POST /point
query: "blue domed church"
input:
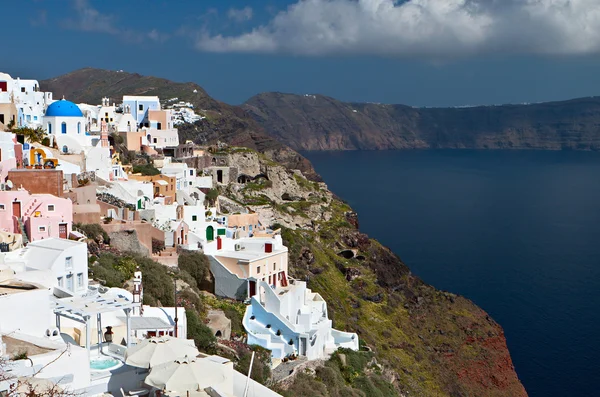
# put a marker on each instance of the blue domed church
(65, 124)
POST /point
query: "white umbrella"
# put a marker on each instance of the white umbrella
(159, 350)
(191, 374)
(27, 386)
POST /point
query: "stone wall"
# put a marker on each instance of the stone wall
(127, 234)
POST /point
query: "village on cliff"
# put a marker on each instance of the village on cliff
(62, 329)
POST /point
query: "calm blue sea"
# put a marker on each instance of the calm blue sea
(518, 232)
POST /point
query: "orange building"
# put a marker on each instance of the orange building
(164, 186)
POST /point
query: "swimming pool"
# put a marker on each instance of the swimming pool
(104, 364)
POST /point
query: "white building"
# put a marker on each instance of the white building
(185, 176)
(239, 265)
(293, 320)
(53, 263)
(66, 125)
(139, 106)
(26, 96)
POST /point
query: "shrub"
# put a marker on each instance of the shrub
(157, 245)
(146, 169)
(200, 333)
(46, 141)
(211, 197)
(194, 263)
(94, 232)
(261, 369)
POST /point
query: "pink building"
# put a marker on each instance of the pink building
(42, 215)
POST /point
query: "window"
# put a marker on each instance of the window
(69, 262)
(22, 89)
(35, 117)
(141, 107)
(1, 207)
(79, 127)
(275, 266)
(79, 280)
(64, 127)
(50, 207)
(155, 141)
(257, 269)
(191, 172)
(194, 217)
(41, 228)
(190, 183)
(60, 282)
(49, 128)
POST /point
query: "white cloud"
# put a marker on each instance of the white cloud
(240, 15)
(422, 28)
(90, 19)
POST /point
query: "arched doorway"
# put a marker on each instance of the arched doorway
(218, 334)
(210, 233)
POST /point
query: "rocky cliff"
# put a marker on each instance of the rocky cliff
(315, 122)
(428, 342)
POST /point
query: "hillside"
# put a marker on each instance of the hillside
(425, 342)
(315, 122)
(223, 122)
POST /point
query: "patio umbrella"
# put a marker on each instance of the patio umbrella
(191, 374)
(28, 385)
(159, 350)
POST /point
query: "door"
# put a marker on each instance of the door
(210, 233)
(252, 288)
(303, 346)
(16, 208)
(62, 230)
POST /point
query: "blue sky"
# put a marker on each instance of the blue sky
(416, 52)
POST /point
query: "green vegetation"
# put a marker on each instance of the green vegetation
(200, 333)
(195, 264)
(31, 135)
(146, 170)
(22, 355)
(211, 197)
(114, 270)
(261, 368)
(93, 231)
(346, 373)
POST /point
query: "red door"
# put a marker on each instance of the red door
(16, 208)
(62, 230)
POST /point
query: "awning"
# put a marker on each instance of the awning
(139, 323)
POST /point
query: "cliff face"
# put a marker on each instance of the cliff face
(315, 122)
(429, 342)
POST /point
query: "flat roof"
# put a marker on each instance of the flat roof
(148, 323)
(55, 243)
